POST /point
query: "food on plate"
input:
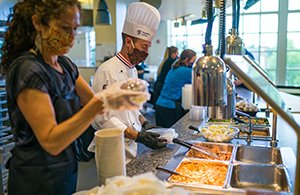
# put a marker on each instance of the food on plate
(218, 133)
(245, 105)
(222, 155)
(201, 173)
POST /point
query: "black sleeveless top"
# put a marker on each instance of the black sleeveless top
(27, 72)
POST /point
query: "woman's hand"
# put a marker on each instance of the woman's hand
(115, 98)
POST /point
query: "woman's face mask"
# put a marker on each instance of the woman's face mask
(190, 65)
(191, 62)
(59, 42)
(137, 56)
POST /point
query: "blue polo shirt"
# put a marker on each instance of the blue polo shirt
(172, 88)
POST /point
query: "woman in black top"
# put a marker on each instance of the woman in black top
(171, 54)
(45, 93)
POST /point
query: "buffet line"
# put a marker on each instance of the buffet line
(237, 167)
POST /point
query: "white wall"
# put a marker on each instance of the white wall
(159, 43)
(121, 7)
(79, 53)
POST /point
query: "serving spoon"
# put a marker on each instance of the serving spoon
(171, 172)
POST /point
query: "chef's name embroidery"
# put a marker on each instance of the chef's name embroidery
(143, 33)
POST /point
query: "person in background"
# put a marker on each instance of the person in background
(140, 26)
(44, 96)
(141, 70)
(171, 55)
(168, 105)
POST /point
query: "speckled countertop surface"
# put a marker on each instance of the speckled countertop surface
(149, 159)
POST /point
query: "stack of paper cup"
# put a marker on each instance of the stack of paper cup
(186, 96)
(109, 154)
(198, 112)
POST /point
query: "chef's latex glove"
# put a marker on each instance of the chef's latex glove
(115, 98)
(147, 125)
(151, 140)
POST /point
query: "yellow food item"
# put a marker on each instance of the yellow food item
(219, 133)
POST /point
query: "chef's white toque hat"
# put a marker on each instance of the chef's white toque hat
(142, 21)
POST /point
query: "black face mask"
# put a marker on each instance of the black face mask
(191, 64)
(137, 56)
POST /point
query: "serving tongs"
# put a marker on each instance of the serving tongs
(195, 147)
(171, 172)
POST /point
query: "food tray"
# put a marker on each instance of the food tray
(260, 168)
(224, 151)
(257, 121)
(256, 131)
(263, 177)
(204, 173)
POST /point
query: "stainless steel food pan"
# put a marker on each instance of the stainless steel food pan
(258, 155)
(222, 148)
(259, 176)
(202, 162)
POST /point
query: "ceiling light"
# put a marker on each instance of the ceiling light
(103, 15)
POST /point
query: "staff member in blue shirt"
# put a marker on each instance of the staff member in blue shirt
(168, 104)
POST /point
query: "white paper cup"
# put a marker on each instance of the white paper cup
(109, 154)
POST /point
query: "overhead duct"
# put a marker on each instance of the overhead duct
(201, 21)
(250, 3)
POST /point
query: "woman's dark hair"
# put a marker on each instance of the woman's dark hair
(172, 49)
(20, 34)
(187, 53)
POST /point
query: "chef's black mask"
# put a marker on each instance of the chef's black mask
(136, 56)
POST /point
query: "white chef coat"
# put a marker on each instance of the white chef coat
(114, 70)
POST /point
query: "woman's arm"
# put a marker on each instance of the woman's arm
(38, 110)
(84, 91)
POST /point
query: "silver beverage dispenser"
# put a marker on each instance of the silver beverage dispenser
(234, 44)
(209, 86)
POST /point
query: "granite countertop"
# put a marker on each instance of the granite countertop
(149, 159)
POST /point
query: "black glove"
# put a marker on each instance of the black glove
(151, 140)
(147, 125)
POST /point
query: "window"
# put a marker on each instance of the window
(293, 48)
(269, 31)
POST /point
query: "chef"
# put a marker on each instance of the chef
(140, 26)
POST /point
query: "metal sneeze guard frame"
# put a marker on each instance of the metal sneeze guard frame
(255, 81)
